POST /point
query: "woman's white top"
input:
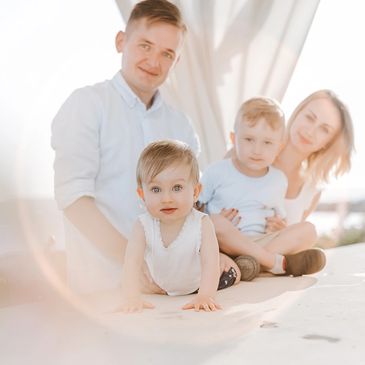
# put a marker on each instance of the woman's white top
(176, 268)
(296, 207)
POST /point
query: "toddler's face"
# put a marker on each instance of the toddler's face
(256, 146)
(171, 194)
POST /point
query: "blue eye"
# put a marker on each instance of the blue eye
(177, 188)
(155, 189)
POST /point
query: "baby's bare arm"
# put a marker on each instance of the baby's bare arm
(209, 253)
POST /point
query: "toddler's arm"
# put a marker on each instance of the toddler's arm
(275, 223)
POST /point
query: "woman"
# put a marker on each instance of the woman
(319, 143)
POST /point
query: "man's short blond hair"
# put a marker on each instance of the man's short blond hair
(260, 107)
(155, 11)
(160, 155)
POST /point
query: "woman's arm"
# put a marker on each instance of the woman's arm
(277, 223)
(313, 205)
(210, 272)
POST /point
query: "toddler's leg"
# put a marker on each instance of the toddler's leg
(294, 238)
(287, 253)
(295, 242)
(232, 242)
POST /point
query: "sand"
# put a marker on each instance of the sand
(315, 319)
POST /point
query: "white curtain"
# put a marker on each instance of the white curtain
(235, 49)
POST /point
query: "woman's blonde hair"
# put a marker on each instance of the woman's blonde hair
(335, 157)
(158, 156)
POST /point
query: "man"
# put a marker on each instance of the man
(98, 135)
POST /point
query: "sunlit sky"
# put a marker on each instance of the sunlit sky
(333, 57)
(51, 48)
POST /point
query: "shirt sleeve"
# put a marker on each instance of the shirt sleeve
(194, 142)
(75, 140)
(188, 134)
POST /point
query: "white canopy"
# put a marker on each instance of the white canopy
(235, 49)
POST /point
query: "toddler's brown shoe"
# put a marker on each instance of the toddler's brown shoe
(305, 262)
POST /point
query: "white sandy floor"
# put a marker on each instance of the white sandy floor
(315, 320)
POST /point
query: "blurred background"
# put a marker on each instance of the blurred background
(51, 48)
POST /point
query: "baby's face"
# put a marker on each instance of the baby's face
(256, 146)
(171, 194)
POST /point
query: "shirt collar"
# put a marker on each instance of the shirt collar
(130, 97)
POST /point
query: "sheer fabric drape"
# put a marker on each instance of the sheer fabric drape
(235, 49)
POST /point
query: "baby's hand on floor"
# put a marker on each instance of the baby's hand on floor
(136, 304)
(204, 302)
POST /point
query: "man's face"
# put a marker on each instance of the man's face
(149, 52)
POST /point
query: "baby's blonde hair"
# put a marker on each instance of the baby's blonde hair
(158, 156)
(336, 156)
(260, 107)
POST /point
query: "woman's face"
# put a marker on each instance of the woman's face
(315, 126)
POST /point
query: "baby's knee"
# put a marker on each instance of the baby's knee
(226, 264)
